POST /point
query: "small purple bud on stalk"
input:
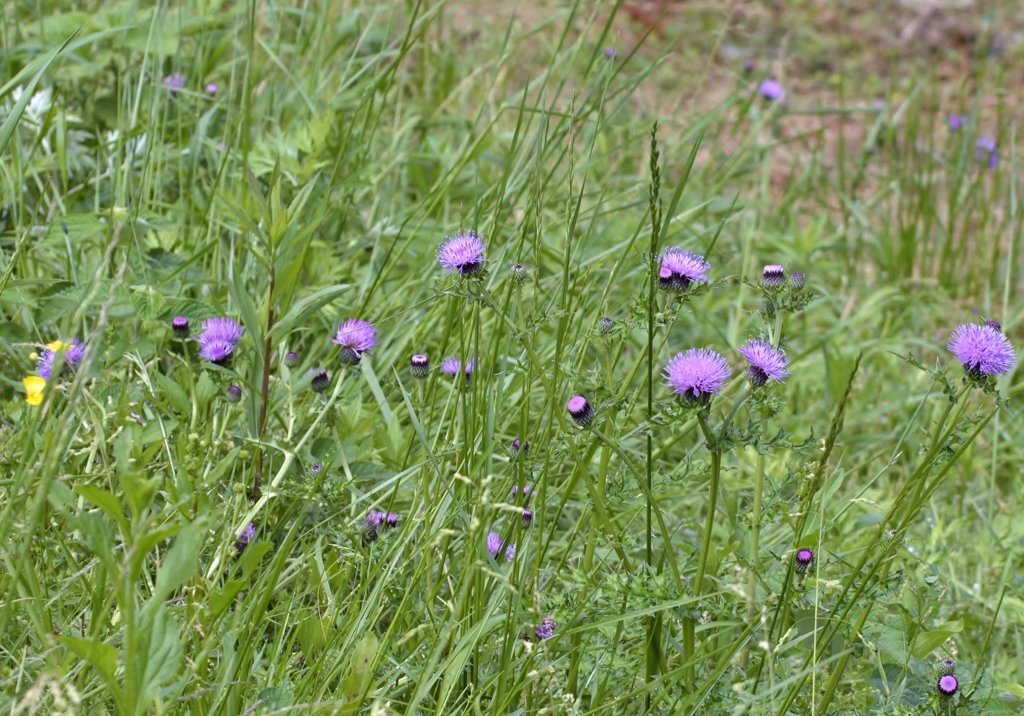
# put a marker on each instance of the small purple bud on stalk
(697, 374)
(946, 667)
(179, 324)
(955, 121)
(494, 546)
(527, 518)
(804, 559)
(513, 453)
(947, 686)
(580, 411)
(321, 381)
(463, 253)
(211, 89)
(764, 363)
(774, 277)
(796, 281)
(355, 338)
(546, 629)
(245, 537)
(518, 274)
(314, 469)
(605, 326)
(419, 366)
(748, 66)
(233, 394)
(609, 52)
(526, 491)
(292, 360)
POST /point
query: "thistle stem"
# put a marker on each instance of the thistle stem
(755, 534)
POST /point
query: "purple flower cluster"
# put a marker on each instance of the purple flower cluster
(546, 629)
(463, 252)
(983, 351)
(73, 351)
(697, 374)
(376, 520)
(494, 545)
(764, 363)
(218, 339)
(245, 537)
(680, 269)
(985, 150)
(770, 90)
(355, 338)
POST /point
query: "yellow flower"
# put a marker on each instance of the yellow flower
(55, 346)
(34, 386)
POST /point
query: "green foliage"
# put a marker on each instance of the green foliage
(343, 143)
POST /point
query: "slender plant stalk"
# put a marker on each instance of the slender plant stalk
(755, 534)
(653, 620)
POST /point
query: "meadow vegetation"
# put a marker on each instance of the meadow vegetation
(415, 514)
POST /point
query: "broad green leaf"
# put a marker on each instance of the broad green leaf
(927, 642)
(106, 502)
(181, 561)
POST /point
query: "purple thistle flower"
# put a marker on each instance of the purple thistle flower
(451, 366)
(375, 520)
(947, 685)
(946, 667)
(804, 559)
(748, 66)
(494, 546)
(246, 536)
(981, 350)
(605, 326)
(696, 374)
(218, 339)
(174, 82)
(546, 630)
(610, 52)
(770, 90)
(463, 252)
(774, 277)
(211, 89)
(955, 121)
(292, 360)
(179, 324)
(74, 350)
(985, 150)
(765, 363)
(526, 491)
(527, 518)
(681, 268)
(233, 394)
(419, 366)
(355, 338)
(580, 410)
(216, 351)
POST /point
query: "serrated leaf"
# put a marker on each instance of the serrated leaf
(195, 311)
